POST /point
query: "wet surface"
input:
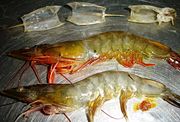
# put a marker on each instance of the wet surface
(11, 11)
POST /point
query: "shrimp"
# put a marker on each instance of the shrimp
(71, 56)
(90, 93)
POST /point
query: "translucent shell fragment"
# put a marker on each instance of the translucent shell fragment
(87, 13)
(42, 19)
(151, 14)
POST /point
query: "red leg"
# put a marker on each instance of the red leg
(62, 71)
(22, 74)
(21, 71)
(141, 62)
(51, 73)
(126, 61)
(35, 71)
(145, 64)
(66, 79)
(131, 58)
(91, 61)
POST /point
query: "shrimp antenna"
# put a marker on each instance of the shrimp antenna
(66, 79)
(113, 15)
(110, 115)
(15, 26)
(67, 117)
(3, 105)
(26, 64)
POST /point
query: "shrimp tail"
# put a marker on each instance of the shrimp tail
(172, 99)
(174, 60)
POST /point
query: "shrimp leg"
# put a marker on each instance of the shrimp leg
(32, 64)
(124, 97)
(91, 61)
(51, 73)
(128, 59)
(93, 106)
(31, 110)
(19, 71)
(23, 68)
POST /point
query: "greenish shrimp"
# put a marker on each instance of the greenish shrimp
(71, 56)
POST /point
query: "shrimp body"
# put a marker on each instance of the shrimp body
(90, 93)
(71, 56)
(128, 49)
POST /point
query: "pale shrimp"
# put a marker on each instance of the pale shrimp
(91, 93)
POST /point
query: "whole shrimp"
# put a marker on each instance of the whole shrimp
(71, 56)
(90, 93)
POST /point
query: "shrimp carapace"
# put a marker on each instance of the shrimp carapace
(71, 56)
(91, 93)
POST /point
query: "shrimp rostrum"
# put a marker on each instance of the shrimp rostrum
(90, 93)
(71, 56)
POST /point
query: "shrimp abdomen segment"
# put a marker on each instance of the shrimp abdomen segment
(99, 44)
